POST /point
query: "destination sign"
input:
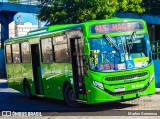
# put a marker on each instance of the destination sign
(116, 27)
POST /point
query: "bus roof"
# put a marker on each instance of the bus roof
(67, 26)
(54, 28)
(49, 28)
(46, 31)
(111, 20)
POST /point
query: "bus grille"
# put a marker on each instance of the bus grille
(127, 76)
(126, 92)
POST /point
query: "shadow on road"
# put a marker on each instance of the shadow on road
(18, 102)
(11, 100)
(3, 85)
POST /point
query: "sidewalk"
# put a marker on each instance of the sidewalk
(3, 80)
(157, 90)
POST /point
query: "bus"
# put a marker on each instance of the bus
(93, 62)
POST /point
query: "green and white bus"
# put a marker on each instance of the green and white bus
(92, 62)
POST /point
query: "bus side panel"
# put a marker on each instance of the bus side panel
(28, 74)
(54, 76)
(16, 74)
(10, 76)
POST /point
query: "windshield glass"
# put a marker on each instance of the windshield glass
(134, 52)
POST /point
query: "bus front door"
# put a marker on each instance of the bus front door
(76, 45)
(36, 69)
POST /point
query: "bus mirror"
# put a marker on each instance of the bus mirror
(87, 48)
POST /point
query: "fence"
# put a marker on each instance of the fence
(155, 45)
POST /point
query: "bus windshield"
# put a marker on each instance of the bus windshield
(134, 52)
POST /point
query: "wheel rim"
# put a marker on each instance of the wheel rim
(71, 96)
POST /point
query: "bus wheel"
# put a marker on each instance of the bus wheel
(70, 97)
(27, 90)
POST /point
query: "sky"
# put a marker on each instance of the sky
(26, 17)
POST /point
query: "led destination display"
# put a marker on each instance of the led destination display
(116, 27)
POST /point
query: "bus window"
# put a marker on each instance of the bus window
(61, 53)
(16, 53)
(59, 40)
(60, 48)
(47, 50)
(25, 50)
(8, 54)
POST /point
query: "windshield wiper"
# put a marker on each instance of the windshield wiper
(131, 41)
(133, 36)
(111, 42)
(124, 48)
(127, 45)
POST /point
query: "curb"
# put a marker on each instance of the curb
(3, 80)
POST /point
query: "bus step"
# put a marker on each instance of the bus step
(40, 95)
(81, 101)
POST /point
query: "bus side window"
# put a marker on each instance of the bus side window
(16, 53)
(47, 50)
(61, 53)
(25, 52)
(8, 54)
(60, 48)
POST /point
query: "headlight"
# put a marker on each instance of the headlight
(151, 78)
(98, 84)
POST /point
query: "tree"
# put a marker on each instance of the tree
(14, 1)
(77, 11)
(131, 5)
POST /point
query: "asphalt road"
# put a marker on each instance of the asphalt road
(11, 100)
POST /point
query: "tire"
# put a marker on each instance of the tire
(70, 97)
(27, 90)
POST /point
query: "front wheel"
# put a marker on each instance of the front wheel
(70, 97)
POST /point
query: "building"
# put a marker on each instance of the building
(20, 29)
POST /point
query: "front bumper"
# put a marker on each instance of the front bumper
(98, 95)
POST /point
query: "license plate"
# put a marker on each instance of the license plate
(119, 89)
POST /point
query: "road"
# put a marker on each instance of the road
(11, 100)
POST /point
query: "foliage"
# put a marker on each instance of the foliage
(76, 11)
(131, 5)
(14, 1)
